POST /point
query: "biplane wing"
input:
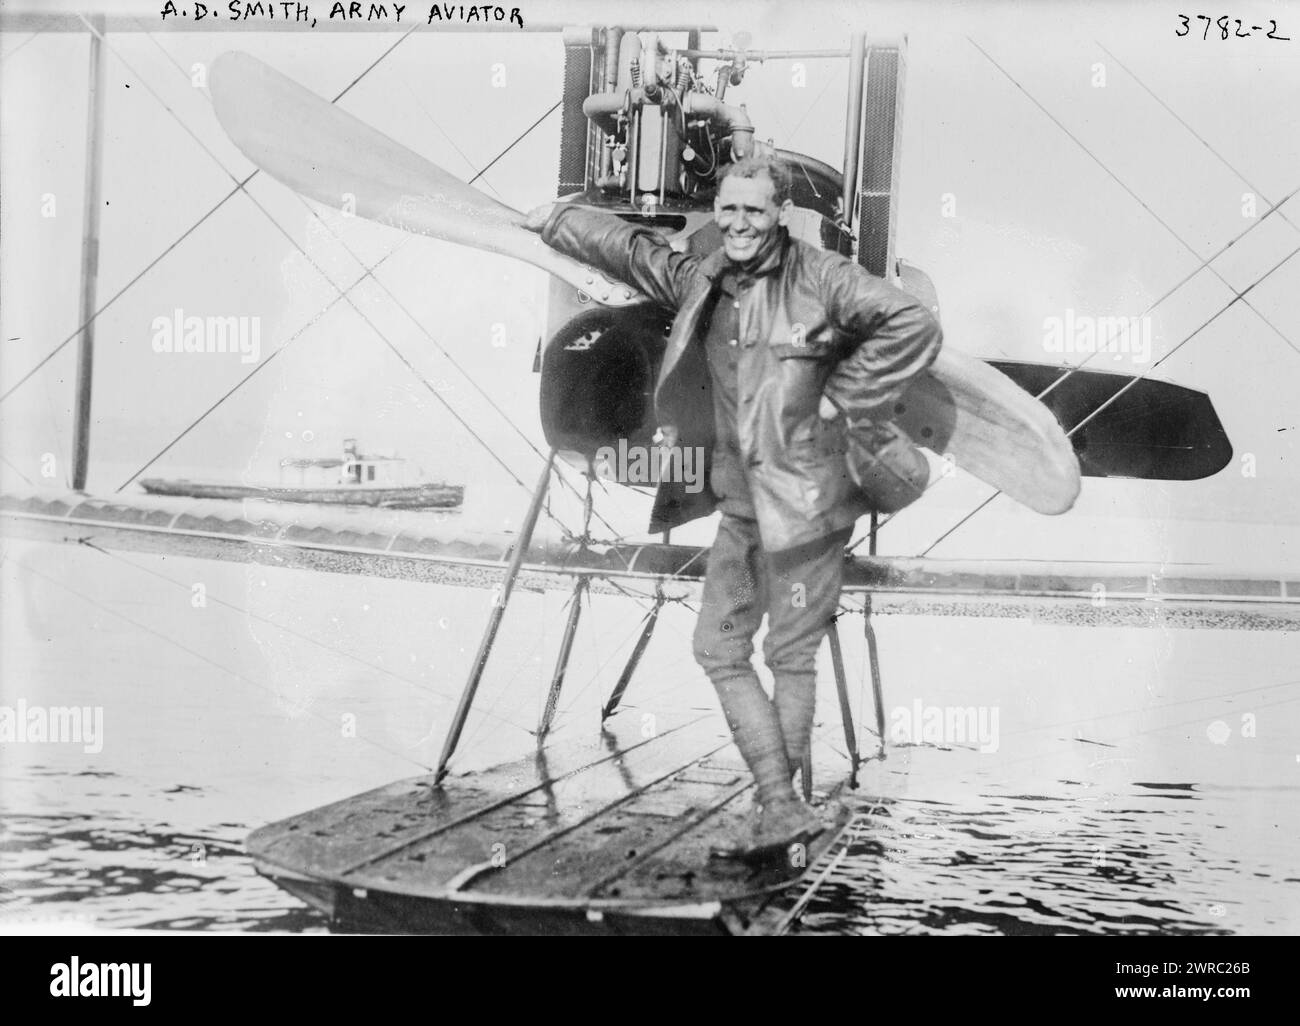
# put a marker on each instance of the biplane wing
(421, 549)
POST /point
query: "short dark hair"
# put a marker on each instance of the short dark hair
(766, 164)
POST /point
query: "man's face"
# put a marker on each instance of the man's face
(749, 219)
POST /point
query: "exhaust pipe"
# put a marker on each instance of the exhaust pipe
(731, 118)
(604, 108)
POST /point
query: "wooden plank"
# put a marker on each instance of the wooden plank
(333, 839)
(591, 861)
(683, 868)
(327, 841)
(577, 865)
(432, 865)
(628, 835)
(679, 867)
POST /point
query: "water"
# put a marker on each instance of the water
(1134, 779)
(1158, 862)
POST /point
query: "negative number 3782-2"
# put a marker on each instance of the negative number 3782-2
(1225, 30)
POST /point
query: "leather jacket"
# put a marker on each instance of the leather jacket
(831, 327)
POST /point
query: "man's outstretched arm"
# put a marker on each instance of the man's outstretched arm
(638, 256)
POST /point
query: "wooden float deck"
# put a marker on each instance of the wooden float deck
(611, 835)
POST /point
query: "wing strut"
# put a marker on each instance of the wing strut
(625, 678)
(846, 711)
(842, 688)
(89, 254)
(877, 688)
(562, 661)
(494, 621)
(571, 624)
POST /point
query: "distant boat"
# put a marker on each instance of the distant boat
(354, 479)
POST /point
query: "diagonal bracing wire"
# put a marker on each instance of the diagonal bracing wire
(415, 98)
(17, 471)
(1195, 134)
(232, 390)
(1203, 264)
(342, 294)
(179, 239)
(384, 288)
(1140, 201)
(345, 293)
(249, 614)
(11, 53)
(118, 294)
(1275, 208)
(301, 250)
(1129, 384)
(332, 721)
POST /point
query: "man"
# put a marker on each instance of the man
(783, 359)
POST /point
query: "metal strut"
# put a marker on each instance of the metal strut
(873, 657)
(89, 256)
(877, 688)
(571, 623)
(638, 650)
(561, 661)
(517, 555)
(846, 710)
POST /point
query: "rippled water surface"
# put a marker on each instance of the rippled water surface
(1142, 779)
(1038, 864)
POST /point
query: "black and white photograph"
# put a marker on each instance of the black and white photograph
(601, 468)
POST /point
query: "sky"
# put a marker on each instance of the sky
(1055, 157)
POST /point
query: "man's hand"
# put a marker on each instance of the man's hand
(827, 409)
(535, 220)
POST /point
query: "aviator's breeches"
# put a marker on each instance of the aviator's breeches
(799, 591)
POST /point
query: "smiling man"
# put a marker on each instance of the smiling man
(785, 361)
